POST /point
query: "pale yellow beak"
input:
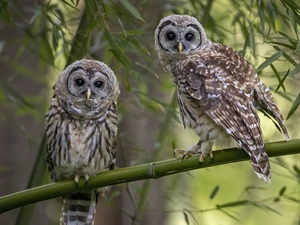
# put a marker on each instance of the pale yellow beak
(88, 93)
(179, 47)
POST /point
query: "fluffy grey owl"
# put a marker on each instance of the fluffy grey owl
(218, 91)
(81, 129)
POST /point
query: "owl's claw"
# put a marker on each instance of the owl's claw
(193, 150)
(203, 155)
(184, 153)
(77, 177)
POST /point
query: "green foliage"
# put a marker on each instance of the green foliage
(120, 33)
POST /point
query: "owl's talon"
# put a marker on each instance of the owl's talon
(204, 154)
(77, 177)
(184, 157)
(193, 150)
(174, 154)
(86, 177)
(187, 153)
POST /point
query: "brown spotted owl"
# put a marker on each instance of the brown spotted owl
(218, 91)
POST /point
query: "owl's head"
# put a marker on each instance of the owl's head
(86, 88)
(178, 35)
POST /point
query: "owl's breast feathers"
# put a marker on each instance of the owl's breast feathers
(79, 146)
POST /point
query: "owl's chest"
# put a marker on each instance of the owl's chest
(193, 116)
(80, 137)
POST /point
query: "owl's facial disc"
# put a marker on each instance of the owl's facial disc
(88, 85)
(179, 38)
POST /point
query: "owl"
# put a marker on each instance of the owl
(81, 129)
(218, 91)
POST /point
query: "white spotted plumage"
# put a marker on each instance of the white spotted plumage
(218, 91)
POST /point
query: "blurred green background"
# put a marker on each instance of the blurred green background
(39, 38)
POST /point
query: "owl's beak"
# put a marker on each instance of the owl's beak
(88, 93)
(179, 47)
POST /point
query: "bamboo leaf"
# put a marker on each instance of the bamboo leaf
(268, 208)
(293, 21)
(295, 71)
(173, 145)
(232, 204)
(293, 199)
(188, 213)
(149, 69)
(292, 4)
(6, 12)
(132, 9)
(46, 51)
(116, 50)
(252, 42)
(261, 14)
(231, 216)
(214, 192)
(294, 107)
(269, 61)
(16, 97)
(72, 6)
(282, 190)
(281, 82)
(193, 3)
(55, 37)
(285, 55)
(60, 15)
(186, 218)
(272, 14)
(297, 170)
(278, 78)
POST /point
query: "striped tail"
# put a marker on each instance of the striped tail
(261, 165)
(79, 209)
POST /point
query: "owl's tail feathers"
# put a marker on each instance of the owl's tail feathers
(261, 166)
(79, 209)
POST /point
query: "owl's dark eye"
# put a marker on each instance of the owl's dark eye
(98, 84)
(79, 82)
(189, 36)
(171, 36)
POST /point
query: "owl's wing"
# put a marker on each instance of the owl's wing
(224, 101)
(264, 102)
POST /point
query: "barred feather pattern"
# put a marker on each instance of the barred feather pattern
(79, 147)
(81, 129)
(218, 91)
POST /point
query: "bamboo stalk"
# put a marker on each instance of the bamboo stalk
(153, 170)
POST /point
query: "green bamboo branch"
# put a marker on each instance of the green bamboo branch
(153, 170)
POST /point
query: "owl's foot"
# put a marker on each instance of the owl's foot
(77, 177)
(193, 150)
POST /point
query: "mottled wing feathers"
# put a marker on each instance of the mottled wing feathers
(263, 101)
(223, 100)
(242, 124)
